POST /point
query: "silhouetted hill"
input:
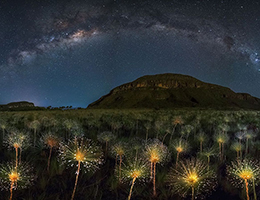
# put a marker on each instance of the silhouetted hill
(17, 106)
(174, 91)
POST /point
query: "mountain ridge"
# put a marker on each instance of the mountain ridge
(174, 91)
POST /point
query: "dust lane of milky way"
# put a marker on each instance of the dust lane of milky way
(100, 45)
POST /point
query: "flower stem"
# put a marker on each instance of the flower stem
(208, 161)
(20, 157)
(74, 190)
(131, 189)
(49, 160)
(120, 164)
(16, 157)
(177, 158)
(247, 195)
(164, 136)
(192, 195)
(11, 190)
(154, 172)
(255, 197)
(151, 170)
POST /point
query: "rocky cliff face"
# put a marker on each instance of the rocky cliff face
(164, 81)
(173, 91)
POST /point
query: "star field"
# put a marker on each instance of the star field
(67, 53)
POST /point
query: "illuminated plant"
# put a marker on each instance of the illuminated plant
(81, 152)
(248, 135)
(24, 142)
(221, 139)
(201, 137)
(177, 120)
(119, 150)
(244, 173)
(13, 177)
(191, 175)
(134, 170)
(237, 146)
(77, 132)
(17, 140)
(180, 146)
(147, 126)
(51, 141)
(45, 122)
(209, 152)
(167, 131)
(223, 128)
(155, 152)
(3, 126)
(35, 125)
(227, 119)
(240, 136)
(186, 130)
(69, 124)
(106, 137)
(136, 144)
(116, 125)
(159, 125)
(242, 127)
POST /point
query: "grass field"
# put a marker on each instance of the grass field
(131, 151)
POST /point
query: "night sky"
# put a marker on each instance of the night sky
(74, 52)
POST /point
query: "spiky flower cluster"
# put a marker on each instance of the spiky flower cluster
(138, 169)
(240, 135)
(240, 171)
(81, 150)
(192, 174)
(51, 140)
(136, 145)
(223, 127)
(201, 137)
(119, 149)
(106, 136)
(135, 170)
(76, 131)
(177, 120)
(17, 139)
(180, 145)
(19, 178)
(156, 151)
(221, 138)
(208, 152)
(237, 147)
(186, 130)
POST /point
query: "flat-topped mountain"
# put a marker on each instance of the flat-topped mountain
(16, 106)
(174, 91)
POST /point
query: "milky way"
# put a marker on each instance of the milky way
(72, 53)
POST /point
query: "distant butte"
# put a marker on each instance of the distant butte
(17, 106)
(164, 91)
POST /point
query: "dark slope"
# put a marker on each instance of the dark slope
(174, 91)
